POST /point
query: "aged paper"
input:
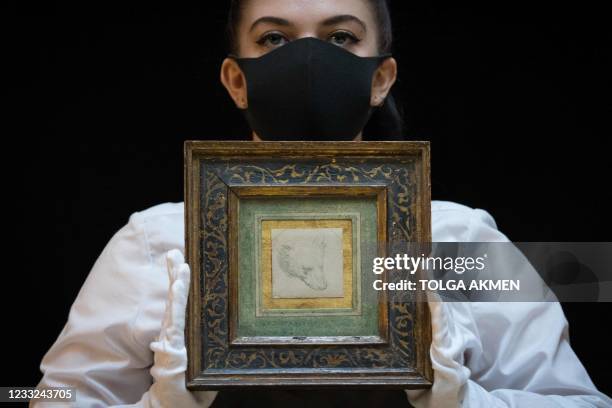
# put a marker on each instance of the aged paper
(307, 263)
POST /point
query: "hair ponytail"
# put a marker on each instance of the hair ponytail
(386, 122)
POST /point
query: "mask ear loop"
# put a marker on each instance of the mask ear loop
(380, 59)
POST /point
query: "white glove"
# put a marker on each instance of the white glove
(450, 375)
(453, 387)
(170, 359)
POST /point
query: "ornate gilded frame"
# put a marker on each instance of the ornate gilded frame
(217, 176)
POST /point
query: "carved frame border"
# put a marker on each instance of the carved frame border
(215, 173)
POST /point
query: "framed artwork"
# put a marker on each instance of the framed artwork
(281, 238)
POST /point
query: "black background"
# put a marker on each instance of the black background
(516, 104)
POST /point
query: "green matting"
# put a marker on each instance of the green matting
(364, 324)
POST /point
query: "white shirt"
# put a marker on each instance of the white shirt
(516, 351)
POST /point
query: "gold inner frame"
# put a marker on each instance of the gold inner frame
(344, 302)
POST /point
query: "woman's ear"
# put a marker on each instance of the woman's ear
(382, 81)
(234, 81)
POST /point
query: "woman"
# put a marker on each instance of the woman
(296, 69)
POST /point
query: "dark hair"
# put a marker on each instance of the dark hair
(386, 122)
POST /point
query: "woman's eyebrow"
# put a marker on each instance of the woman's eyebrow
(343, 18)
(270, 19)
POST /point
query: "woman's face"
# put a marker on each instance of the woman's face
(269, 24)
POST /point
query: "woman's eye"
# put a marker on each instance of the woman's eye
(343, 38)
(272, 40)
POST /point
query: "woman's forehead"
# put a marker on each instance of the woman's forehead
(306, 13)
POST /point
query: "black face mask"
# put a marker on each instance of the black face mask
(308, 89)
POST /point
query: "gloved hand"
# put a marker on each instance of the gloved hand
(450, 375)
(170, 359)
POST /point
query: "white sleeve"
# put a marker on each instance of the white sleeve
(524, 358)
(98, 351)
